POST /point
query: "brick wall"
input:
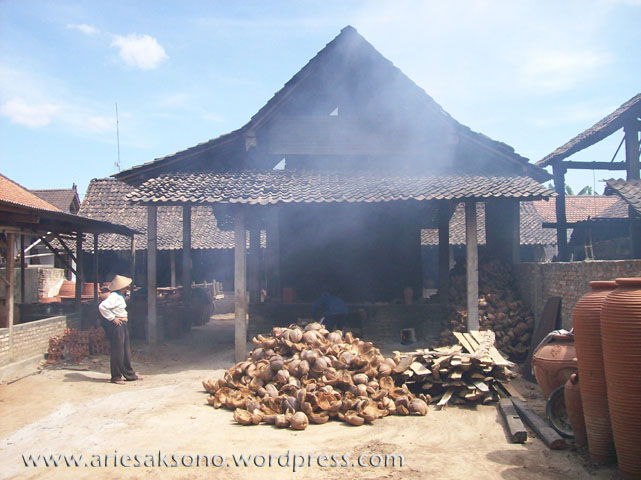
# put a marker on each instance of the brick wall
(569, 280)
(31, 339)
(379, 322)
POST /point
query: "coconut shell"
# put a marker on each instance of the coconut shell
(418, 406)
(299, 421)
(243, 417)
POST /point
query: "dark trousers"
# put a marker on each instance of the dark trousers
(335, 321)
(120, 352)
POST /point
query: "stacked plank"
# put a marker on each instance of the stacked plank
(500, 308)
(299, 376)
(465, 373)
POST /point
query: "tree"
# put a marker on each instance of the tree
(587, 190)
(568, 190)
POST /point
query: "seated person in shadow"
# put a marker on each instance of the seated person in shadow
(332, 309)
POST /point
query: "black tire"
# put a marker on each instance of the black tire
(557, 413)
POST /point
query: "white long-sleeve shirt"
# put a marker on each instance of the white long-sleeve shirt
(113, 306)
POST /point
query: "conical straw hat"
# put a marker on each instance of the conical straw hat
(119, 282)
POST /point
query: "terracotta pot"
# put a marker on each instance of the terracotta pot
(574, 407)
(87, 289)
(586, 320)
(50, 300)
(621, 337)
(68, 289)
(554, 363)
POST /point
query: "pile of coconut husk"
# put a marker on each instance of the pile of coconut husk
(299, 375)
(450, 375)
(500, 308)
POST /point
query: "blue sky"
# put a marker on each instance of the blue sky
(532, 74)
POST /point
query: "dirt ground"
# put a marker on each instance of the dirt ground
(76, 410)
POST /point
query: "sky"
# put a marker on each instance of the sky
(532, 74)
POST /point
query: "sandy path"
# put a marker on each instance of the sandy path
(66, 411)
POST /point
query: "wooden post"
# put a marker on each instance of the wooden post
(254, 265)
(558, 171)
(444, 215)
(240, 273)
(96, 277)
(172, 267)
(632, 163)
(187, 254)
(472, 257)
(9, 299)
(152, 243)
(132, 262)
(22, 269)
(79, 271)
(273, 254)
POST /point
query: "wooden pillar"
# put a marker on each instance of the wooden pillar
(273, 254)
(10, 286)
(22, 270)
(472, 257)
(172, 267)
(96, 277)
(632, 162)
(444, 215)
(558, 171)
(187, 253)
(132, 262)
(240, 273)
(79, 271)
(254, 261)
(152, 244)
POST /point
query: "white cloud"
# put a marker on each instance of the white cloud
(140, 51)
(31, 115)
(84, 28)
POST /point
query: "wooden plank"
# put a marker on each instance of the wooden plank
(240, 285)
(546, 433)
(494, 353)
(472, 266)
(463, 341)
(472, 341)
(510, 391)
(561, 233)
(518, 433)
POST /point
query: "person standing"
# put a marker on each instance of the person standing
(333, 309)
(114, 310)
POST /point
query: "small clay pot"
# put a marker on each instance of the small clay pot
(554, 363)
(574, 408)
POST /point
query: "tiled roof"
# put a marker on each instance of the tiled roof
(349, 50)
(13, 193)
(62, 198)
(106, 200)
(531, 230)
(602, 129)
(629, 190)
(577, 207)
(296, 186)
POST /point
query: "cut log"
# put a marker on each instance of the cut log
(513, 422)
(546, 433)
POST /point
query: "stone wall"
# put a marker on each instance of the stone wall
(31, 339)
(569, 280)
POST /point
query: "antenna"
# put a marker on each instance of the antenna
(117, 163)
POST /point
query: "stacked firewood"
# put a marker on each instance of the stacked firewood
(77, 344)
(296, 376)
(449, 375)
(500, 308)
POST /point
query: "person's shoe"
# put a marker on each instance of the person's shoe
(118, 381)
(137, 377)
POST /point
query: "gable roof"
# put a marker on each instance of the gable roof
(65, 199)
(13, 193)
(106, 199)
(628, 190)
(577, 207)
(346, 49)
(531, 230)
(605, 127)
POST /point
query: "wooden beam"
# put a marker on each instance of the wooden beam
(96, 277)
(472, 260)
(594, 165)
(561, 232)
(444, 215)
(66, 248)
(186, 280)
(79, 269)
(513, 422)
(240, 273)
(9, 299)
(59, 257)
(552, 439)
(632, 150)
(15, 218)
(152, 244)
(132, 262)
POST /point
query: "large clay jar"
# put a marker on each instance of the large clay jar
(68, 289)
(574, 408)
(87, 289)
(586, 320)
(554, 363)
(621, 337)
